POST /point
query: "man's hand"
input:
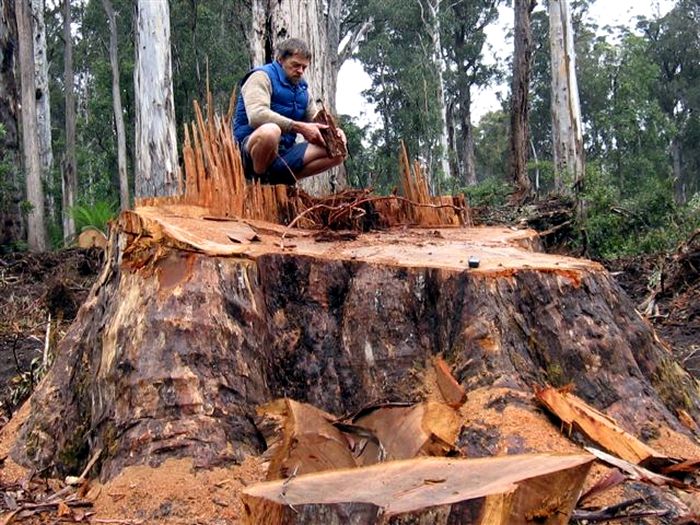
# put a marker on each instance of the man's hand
(311, 131)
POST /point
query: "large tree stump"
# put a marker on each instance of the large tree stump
(195, 322)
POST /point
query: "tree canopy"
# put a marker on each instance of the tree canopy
(640, 104)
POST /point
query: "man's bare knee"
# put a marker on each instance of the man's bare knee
(262, 146)
(268, 133)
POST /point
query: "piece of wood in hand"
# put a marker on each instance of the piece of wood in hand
(334, 143)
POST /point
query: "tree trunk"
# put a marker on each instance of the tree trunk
(434, 29)
(117, 105)
(186, 333)
(156, 168)
(452, 132)
(36, 228)
(11, 224)
(69, 180)
(567, 132)
(317, 23)
(468, 157)
(519, 111)
(679, 184)
(43, 102)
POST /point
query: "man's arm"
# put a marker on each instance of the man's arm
(257, 93)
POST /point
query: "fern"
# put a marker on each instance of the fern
(94, 216)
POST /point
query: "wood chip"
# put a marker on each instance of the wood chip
(453, 393)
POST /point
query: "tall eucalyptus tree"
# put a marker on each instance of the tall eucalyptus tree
(520, 91)
(69, 172)
(43, 101)
(567, 130)
(36, 227)
(117, 106)
(156, 142)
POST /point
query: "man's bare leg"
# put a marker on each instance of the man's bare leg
(263, 145)
(316, 160)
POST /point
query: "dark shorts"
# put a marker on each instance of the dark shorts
(284, 168)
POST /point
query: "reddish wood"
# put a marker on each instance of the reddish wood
(597, 427)
(451, 390)
(335, 146)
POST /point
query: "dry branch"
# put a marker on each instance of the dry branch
(636, 472)
(613, 512)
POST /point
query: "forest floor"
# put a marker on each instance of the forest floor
(40, 296)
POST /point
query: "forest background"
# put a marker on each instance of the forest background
(639, 91)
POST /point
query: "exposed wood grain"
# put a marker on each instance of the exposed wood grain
(407, 486)
(599, 428)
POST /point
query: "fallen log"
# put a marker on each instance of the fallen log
(404, 432)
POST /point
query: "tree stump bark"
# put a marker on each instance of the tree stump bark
(195, 322)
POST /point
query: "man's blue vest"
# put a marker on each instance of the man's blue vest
(289, 100)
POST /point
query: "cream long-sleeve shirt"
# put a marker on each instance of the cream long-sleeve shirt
(257, 94)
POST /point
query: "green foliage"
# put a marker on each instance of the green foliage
(207, 37)
(491, 192)
(491, 145)
(22, 384)
(542, 176)
(96, 215)
(647, 220)
(360, 163)
(6, 188)
(404, 85)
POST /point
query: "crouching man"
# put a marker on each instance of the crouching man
(274, 105)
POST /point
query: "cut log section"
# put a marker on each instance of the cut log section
(92, 238)
(410, 486)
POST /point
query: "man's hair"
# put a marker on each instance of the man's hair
(291, 47)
